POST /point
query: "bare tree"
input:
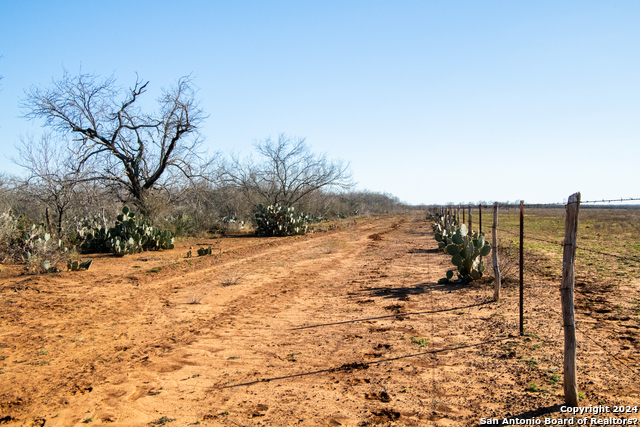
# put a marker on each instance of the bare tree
(52, 175)
(136, 150)
(289, 171)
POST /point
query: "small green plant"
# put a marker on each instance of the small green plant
(532, 363)
(43, 352)
(156, 269)
(226, 412)
(77, 266)
(533, 387)
(580, 396)
(554, 379)
(422, 342)
(163, 420)
(41, 363)
(88, 420)
(404, 390)
(292, 357)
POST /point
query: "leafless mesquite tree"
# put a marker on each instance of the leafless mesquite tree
(288, 172)
(135, 149)
(52, 176)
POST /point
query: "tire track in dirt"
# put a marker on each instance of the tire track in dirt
(138, 299)
(318, 332)
(249, 313)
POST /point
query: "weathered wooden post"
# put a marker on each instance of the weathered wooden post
(566, 293)
(448, 216)
(494, 241)
(521, 267)
(479, 217)
(446, 219)
(469, 230)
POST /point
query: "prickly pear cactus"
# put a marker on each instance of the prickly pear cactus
(276, 220)
(204, 251)
(466, 252)
(77, 266)
(132, 235)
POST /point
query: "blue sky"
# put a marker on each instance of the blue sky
(431, 101)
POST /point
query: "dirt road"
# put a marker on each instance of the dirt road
(344, 327)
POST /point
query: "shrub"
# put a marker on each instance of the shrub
(129, 235)
(92, 234)
(38, 250)
(8, 228)
(133, 235)
(276, 220)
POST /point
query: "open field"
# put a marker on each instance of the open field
(345, 327)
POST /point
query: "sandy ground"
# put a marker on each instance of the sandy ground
(320, 330)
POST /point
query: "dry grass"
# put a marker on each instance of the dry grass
(613, 231)
(196, 296)
(231, 278)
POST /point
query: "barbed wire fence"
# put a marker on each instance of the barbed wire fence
(463, 214)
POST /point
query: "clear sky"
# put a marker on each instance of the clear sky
(432, 101)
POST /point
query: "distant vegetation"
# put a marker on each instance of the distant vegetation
(101, 152)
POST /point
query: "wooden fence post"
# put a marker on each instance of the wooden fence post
(494, 239)
(469, 230)
(480, 218)
(566, 292)
(446, 218)
(521, 267)
(463, 220)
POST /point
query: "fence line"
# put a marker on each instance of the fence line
(568, 271)
(543, 205)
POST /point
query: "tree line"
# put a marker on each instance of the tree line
(101, 149)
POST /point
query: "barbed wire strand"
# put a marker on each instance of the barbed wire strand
(583, 249)
(538, 205)
(628, 258)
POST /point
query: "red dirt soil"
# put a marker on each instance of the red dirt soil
(320, 330)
